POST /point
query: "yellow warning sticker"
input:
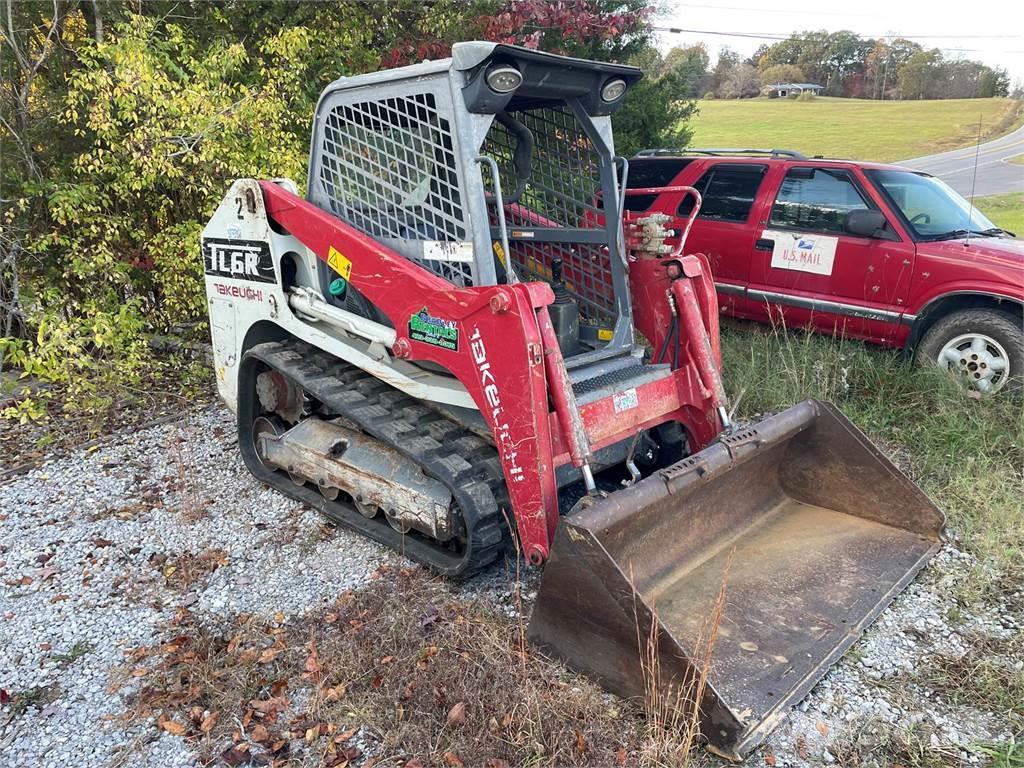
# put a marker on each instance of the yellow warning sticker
(604, 334)
(339, 263)
(499, 251)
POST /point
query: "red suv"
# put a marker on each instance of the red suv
(875, 252)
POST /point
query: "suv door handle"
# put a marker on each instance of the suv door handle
(763, 244)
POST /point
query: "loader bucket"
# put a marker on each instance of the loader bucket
(819, 530)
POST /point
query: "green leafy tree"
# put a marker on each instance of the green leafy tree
(782, 73)
(123, 124)
(917, 77)
(656, 113)
(689, 65)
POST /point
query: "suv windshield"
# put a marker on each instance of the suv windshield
(931, 209)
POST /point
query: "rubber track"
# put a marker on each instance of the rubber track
(444, 449)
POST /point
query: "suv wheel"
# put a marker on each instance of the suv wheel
(983, 347)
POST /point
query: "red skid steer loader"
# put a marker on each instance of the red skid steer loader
(437, 347)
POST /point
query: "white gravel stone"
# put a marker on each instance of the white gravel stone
(104, 517)
(95, 531)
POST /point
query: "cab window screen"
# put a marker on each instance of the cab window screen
(817, 200)
(728, 190)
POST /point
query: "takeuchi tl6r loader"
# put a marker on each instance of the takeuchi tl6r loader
(439, 347)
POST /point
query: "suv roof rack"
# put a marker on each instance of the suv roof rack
(722, 151)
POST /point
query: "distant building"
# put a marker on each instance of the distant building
(786, 89)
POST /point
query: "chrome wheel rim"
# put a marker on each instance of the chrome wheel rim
(978, 360)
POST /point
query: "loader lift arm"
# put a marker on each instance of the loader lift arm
(503, 360)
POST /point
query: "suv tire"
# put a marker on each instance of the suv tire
(985, 345)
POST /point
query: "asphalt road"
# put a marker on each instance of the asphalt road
(996, 176)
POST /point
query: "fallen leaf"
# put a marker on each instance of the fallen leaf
(822, 728)
(581, 742)
(236, 755)
(311, 734)
(387, 659)
(414, 762)
(335, 693)
(173, 727)
(457, 714)
(344, 736)
(5, 696)
(312, 666)
(59, 598)
(496, 762)
(453, 760)
(209, 721)
(621, 755)
(101, 542)
(769, 758)
(351, 753)
(259, 733)
(801, 747)
(269, 707)
(268, 655)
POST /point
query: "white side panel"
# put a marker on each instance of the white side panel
(242, 260)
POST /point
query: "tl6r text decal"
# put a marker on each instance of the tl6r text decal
(238, 259)
(436, 331)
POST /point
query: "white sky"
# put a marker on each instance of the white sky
(992, 30)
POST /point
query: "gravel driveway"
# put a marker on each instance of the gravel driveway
(101, 548)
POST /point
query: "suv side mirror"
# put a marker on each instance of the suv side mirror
(864, 223)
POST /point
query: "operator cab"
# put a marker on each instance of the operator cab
(421, 157)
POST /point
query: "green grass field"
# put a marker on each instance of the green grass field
(1006, 211)
(966, 454)
(852, 128)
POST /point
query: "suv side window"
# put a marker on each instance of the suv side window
(816, 199)
(645, 173)
(728, 191)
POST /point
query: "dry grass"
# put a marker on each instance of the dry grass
(403, 664)
(873, 744)
(190, 568)
(986, 677)
(671, 719)
(191, 504)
